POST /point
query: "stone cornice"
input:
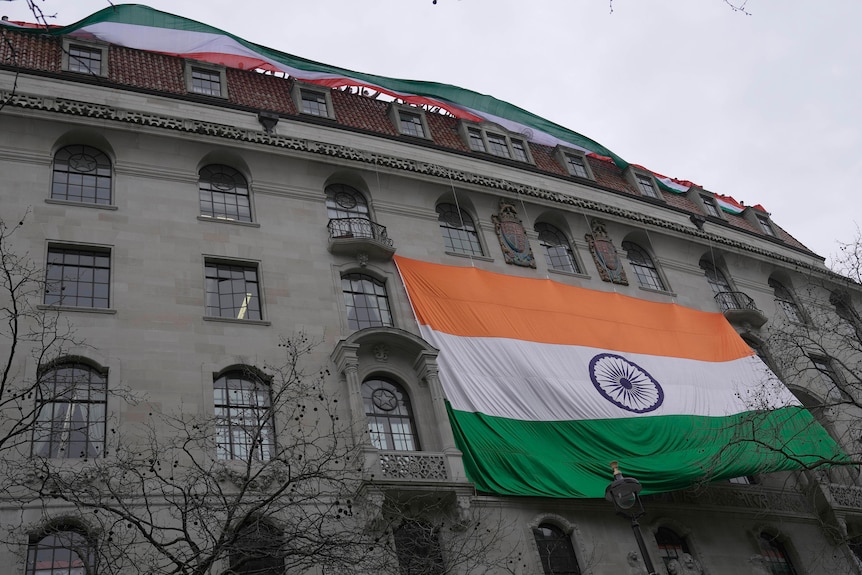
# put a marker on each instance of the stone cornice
(104, 112)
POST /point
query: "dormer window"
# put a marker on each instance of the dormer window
(85, 58)
(577, 165)
(574, 161)
(646, 185)
(477, 143)
(765, 225)
(497, 143)
(206, 79)
(312, 100)
(409, 120)
(709, 206)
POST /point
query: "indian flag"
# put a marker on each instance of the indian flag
(547, 383)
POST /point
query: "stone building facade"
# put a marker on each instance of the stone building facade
(152, 180)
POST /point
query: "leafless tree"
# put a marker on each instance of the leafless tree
(272, 481)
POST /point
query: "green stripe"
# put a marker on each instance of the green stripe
(570, 459)
(145, 16)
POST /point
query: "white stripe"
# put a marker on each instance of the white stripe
(545, 382)
(727, 206)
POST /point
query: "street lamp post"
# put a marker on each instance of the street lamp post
(623, 493)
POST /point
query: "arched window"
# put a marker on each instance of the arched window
(670, 545)
(776, 558)
(348, 212)
(366, 301)
(715, 277)
(71, 412)
(417, 545)
(555, 550)
(82, 174)
(459, 232)
(257, 549)
(243, 417)
(64, 550)
(390, 417)
(558, 250)
(224, 193)
(785, 300)
(643, 267)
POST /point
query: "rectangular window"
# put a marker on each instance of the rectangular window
(314, 103)
(709, 206)
(576, 166)
(497, 145)
(206, 82)
(646, 186)
(78, 277)
(765, 226)
(85, 59)
(411, 124)
(477, 144)
(519, 149)
(232, 291)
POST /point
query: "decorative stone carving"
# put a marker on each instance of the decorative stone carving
(413, 465)
(635, 565)
(381, 352)
(758, 565)
(49, 104)
(373, 509)
(463, 517)
(362, 258)
(686, 565)
(605, 254)
(846, 495)
(512, 235)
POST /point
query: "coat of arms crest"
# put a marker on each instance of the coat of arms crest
(513, 236)
(605, 254)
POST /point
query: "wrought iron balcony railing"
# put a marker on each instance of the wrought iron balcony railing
(359, 235)
(739, 308)
(362, 228)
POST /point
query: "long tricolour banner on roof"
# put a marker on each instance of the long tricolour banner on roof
(143, 28)
(548, 383)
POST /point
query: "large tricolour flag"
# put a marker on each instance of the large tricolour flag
(548, 383)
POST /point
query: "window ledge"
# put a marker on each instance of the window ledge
(569, 274)
(659, 291)
(469, 256)
(228, 221)
(234, 320)
(102, 310)
(82, 204)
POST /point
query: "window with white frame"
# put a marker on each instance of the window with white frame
(475, 139)
(70, 421)
(243, 417)
(232, 290)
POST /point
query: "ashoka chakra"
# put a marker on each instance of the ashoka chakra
(625, 384)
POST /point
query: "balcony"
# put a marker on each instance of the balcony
(353, 236)
(739, 309)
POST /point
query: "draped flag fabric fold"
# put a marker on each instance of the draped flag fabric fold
(547, 383)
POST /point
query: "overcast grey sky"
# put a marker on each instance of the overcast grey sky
(766, 108)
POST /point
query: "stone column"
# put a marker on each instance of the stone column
(426, 368)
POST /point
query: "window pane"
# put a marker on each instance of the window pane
(232, 291)
(366, 301)
(643, 266)
(77, 278)
(558, 251)
(555, 551)
(390, 417)
(459, 232)
(243, 418)
(223, 193)
(81, 174)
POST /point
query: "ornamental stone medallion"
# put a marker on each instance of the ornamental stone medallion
(605, 254)
(512, 235)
